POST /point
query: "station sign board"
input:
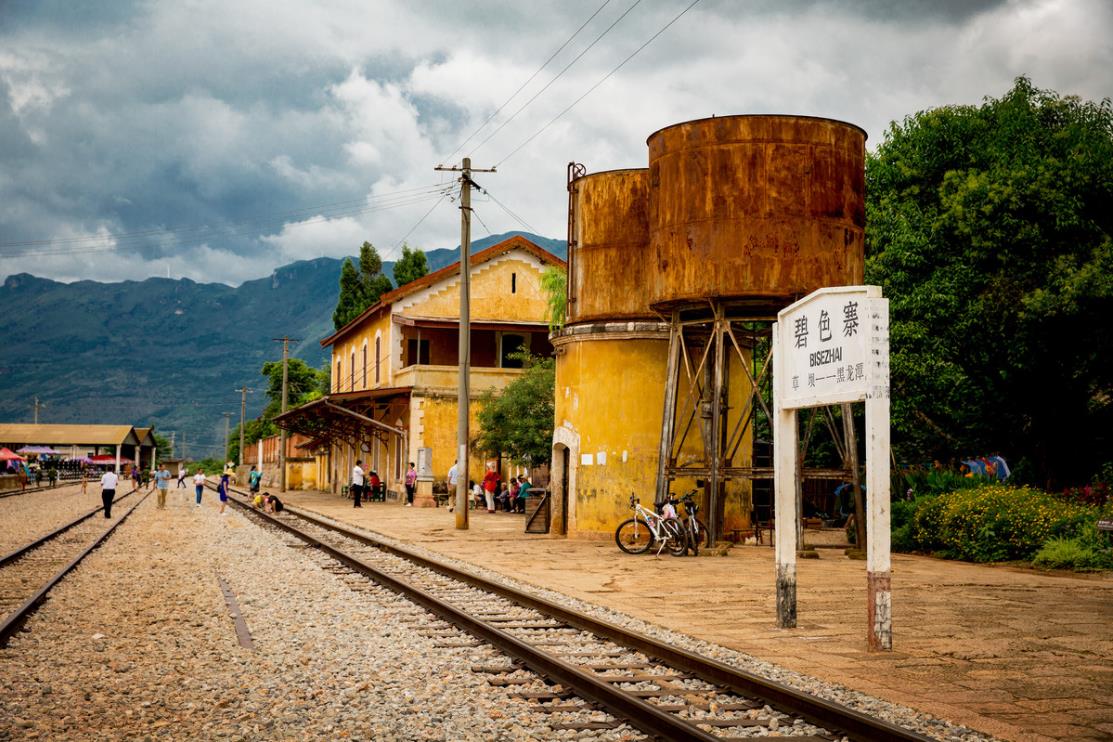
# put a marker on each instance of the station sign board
(834, 348)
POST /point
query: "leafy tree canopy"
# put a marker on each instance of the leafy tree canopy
(360, 288)
(989, 228)
(518, 422)
(411, 266)
(554, 282)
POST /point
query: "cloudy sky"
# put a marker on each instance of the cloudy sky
(219, 140)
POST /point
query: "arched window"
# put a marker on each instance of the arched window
(378, 356)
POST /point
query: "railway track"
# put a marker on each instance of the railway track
(28, 573)
(573, 665)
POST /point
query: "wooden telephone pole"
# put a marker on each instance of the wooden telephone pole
(463, 389)
(244, 391)
(285, 340)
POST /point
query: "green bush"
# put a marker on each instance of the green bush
(1072, 553)
(993, 523)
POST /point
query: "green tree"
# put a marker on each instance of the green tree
(359, 287)
(372, 280)
(411, 266)
(518, 422)
(989, 228)
(554, 282)
(349, 303)
(302, 382)
(162, 447)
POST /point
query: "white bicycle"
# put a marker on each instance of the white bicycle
(638, 534)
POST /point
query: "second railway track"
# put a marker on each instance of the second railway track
(28, 573)
(586, 663)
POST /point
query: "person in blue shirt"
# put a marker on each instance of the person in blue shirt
(253, 478)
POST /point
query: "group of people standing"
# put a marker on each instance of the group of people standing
(496, 494)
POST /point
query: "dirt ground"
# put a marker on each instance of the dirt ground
(1012, 652)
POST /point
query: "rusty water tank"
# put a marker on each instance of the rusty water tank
(758, 209)
(608, 254)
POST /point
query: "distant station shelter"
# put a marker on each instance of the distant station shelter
(395, 366)
(111, 445)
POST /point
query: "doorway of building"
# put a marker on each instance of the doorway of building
(559, 490)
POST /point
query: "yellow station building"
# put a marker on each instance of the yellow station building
(395, 366)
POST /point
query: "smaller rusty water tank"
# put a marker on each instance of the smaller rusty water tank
(608, 258)
(755, 209)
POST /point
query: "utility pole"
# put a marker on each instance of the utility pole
(227, 431)
(463, 390)
(285, 340)
(38, 405)
(243, 390)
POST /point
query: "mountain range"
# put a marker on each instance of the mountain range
(164, 352)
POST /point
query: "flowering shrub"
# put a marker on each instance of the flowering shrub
(993, 523)
(1090, 494)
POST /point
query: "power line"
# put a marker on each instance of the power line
(506, 208)
(557, 77)
(527, 82)
(596, 85)
(400, 242)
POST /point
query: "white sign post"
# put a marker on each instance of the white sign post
(832, 347)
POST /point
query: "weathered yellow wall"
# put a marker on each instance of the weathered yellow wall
(623, 420)
(438, 432)
(490, 294)
(301, 475)
(353, 340)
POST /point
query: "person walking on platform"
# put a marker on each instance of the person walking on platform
(182, 472)
(108, 491)
(357, 484)
(162, 481)
(199, 485)
(411, 485)
(84, 479)
(453, 480)
(134, 479)
(222, 492)
(254, 477)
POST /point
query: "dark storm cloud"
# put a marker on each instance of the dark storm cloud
(226, 118)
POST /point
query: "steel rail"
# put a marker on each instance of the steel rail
(32, 545)
(818, 711)
(17, 618)
(636, 712)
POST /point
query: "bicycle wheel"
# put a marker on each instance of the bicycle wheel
(704, 535)
(633, 536)
(694, 535)
(676, 538)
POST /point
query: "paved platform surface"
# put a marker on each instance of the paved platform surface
(1010, 652)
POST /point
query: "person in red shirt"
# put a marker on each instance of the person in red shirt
(490, 487)
(374, 482)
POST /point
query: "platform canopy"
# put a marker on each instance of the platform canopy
(324, 422)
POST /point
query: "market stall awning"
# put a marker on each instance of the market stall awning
(39, 450)
(6, 454)
(106, 458)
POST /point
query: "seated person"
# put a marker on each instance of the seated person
(374, 491)
(273, 504)
(476, 491)
(502, 499)
(259, 500)
(520, 499)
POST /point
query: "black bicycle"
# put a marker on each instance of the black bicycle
(698, 535)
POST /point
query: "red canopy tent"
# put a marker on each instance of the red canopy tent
(6, 454)
(105, 458)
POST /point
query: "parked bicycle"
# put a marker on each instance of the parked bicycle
(638, 534)
(697, 532)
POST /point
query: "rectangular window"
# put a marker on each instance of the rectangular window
(365, 366)
(417, 352)
(511, 344)
(352, 374)
(513, 283)
(339, 376)
(378, 357)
